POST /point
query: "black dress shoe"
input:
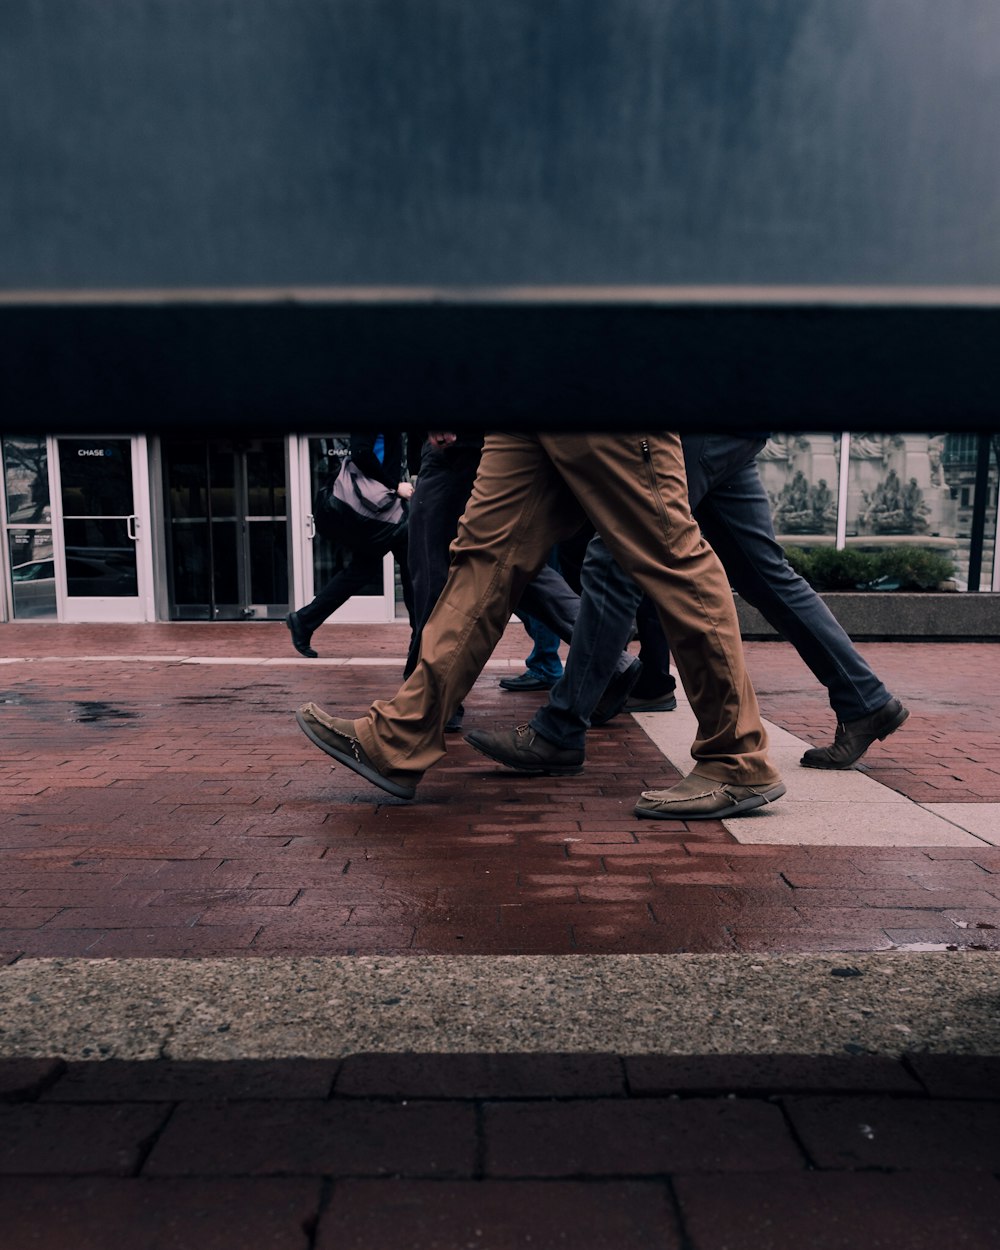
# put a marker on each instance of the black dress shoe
(652, 703)
(454, 722)
(527, 681)
(854, 737)
(615, 693)
(300, 636)
(526, 752)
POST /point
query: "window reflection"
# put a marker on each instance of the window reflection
(26, 472)
(32, 568)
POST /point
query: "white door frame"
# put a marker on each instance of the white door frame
(140, 607)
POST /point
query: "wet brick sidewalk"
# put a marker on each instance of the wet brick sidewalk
(442, 1152)
(158, 807)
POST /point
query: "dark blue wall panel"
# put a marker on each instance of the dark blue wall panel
(151, 143)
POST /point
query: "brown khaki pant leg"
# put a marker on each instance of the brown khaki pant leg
(518, 509)
(634, 490)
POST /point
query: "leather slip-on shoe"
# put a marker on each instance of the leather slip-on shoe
(662, 703)
(702, 798)
(526, 681)
(854, 737)
(615, 695)
(336, 738)
(526, 752)
(300, 636)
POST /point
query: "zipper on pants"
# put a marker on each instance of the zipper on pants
(651, 474)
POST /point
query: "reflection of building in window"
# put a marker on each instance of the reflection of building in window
(798, 471)
(896, 509)
(896, 485)
(958, 458)
(805, 508)
(900, 484)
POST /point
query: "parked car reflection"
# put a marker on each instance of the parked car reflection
(93, 574)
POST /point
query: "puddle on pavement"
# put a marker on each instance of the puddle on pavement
(208, 698)
(95, 710)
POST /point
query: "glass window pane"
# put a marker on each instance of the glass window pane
(956, 468)
(190, 562)
(96, 476)
(222, 476)
(184, 472)
(100, 558)
(225, 559)
(266, 479)
(32, 573)
(26, 471)
(801, 473)
(328, 558)
(268, 561)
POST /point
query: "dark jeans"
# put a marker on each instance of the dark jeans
(367, 545)
(731, 506)
(443, 488)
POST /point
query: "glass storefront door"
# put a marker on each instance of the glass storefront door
(106, 561)
(227, 528)
(318, 558)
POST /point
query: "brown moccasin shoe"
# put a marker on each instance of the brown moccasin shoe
(702, 798)
(336, 738)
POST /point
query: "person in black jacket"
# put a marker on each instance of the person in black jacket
(380, 457)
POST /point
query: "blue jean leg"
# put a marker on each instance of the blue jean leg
(607, 608)
(735, 517)
(544, 659)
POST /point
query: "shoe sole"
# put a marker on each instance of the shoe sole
(553, 770)
(900, 718)
(749, 804)
(662, 705)
(355, 765)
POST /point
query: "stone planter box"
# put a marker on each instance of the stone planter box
(898, 616)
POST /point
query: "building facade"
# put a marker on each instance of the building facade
(148, 528)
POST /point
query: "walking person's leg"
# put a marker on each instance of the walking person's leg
(443, 488)
(607, 608)
(304, 621)
(518, 508)
(634, 491)
(735, 516)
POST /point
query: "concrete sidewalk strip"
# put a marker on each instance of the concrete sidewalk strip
(822, 808)
(330, 1007)
(981, 819)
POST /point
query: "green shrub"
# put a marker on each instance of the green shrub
(913, 568)
(894, 568)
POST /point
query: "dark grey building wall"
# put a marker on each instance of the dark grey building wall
(258, 142)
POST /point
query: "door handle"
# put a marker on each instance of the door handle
(130, 525)
(310, 525)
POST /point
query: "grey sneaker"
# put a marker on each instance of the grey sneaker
(854, 737)
(702, 798)
(526, 752)
(336, 738)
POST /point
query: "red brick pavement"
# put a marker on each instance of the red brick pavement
(164, 808)
(412, 1152)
